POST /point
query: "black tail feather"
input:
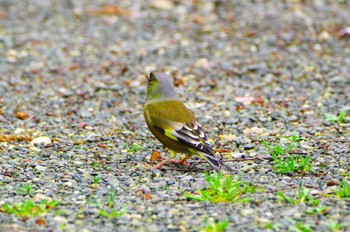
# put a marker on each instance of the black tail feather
(215, 163)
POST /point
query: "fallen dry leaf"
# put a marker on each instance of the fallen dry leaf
(40, 221)
(8, 138)
(258, 101)
(110, 10)
(143, 194)
(155, 156)
(333, 182)
(179, 81)
(101, 145)
(250, 34)
(239, 108)
(21, 115)
(223, 150)
(83, 125)
(74, 67)
(3, 15)
(127, 82)
(124, 69)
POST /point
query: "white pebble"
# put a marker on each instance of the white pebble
(44, 141)
(19, 131)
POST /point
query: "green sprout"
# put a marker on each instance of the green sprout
(28, 208)
(111, 195)
(135, 147)
(299, 226)
(342, 118)
(322, 210)
(286, 163)
(26, 190)
(343, 191)
(303, 196)
(278, 150)
(272, 226)
(96, 179)
(223, 189)
(211, 226)
(295, 138)
(335, 226)
(292, 163)
(109, 211)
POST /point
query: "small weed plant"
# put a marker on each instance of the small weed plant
(299, 226)
(335, 226)
(111, 195)
(343, 191)
(135, 147)
(292, 163)
(303, 196)
(112, 213)
(278, 150)
(96, 179)
(26, 190)
(272, 226)
(288, 163)
(211, 226)
(28, 208)
(341, 118)
(296, 138)
(321, 210)
(108, 210)
(223, 189)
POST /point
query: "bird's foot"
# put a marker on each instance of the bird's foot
(160, 165)
(181, 161)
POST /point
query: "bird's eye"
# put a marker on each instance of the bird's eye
(151, 76)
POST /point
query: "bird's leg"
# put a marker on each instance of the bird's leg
(169, 160)
(181, 161)
(159, 165)
(173, 161)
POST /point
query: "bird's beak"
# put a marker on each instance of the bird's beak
(147, 77)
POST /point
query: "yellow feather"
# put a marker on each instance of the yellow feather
(167, 132)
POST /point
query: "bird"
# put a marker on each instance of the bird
(174, 125)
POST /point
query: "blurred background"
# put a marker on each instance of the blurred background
(252, 71)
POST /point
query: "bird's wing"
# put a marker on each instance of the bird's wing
(193, 136)
(190, 134)
(177, 122)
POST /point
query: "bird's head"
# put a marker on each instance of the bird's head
(160, 86)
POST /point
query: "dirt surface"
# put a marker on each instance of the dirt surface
(72, 77)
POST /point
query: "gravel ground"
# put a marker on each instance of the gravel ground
(255, 71)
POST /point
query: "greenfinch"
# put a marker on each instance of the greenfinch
(174, 125)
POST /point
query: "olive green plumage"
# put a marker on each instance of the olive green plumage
(173, 124)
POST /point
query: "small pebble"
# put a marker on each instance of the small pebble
(40, 141)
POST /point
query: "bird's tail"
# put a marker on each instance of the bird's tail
(214, 162)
